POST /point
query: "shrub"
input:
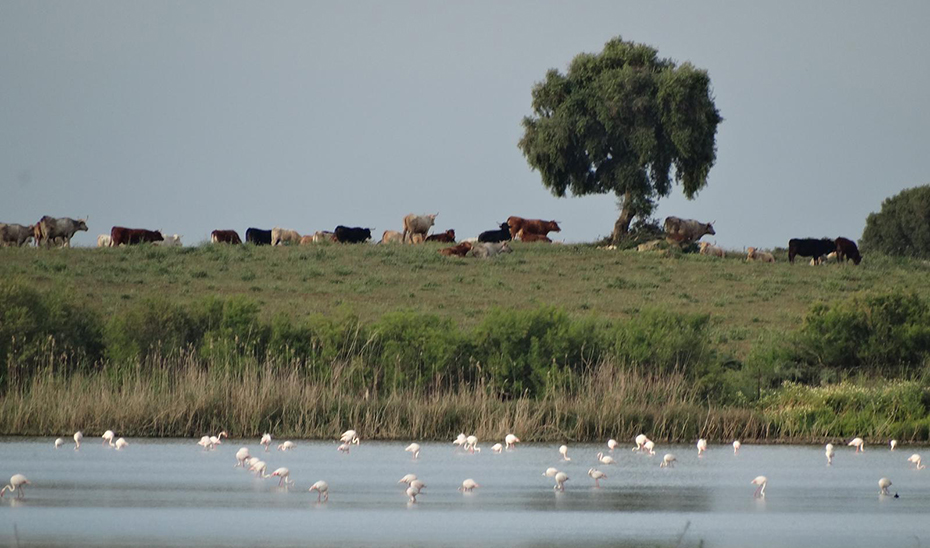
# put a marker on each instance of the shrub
(153, 326)
(902, 227)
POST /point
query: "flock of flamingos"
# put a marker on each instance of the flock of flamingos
(467, 443)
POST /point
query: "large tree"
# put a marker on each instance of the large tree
(619, 121)
(902, 227)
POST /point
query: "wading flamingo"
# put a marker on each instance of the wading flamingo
(612, 444)
(550, 472)
(564, 452)
(412, 493)
(16, 484)
(471, 444)
(121, 444)
(884, 483)
(667, 460)
(560, 480)
(286, 446)
(605, 459)
(108, 437)
(640, 440)
(415, 449)
(736, 446)
(915, 458)
(344, 447)
(259, 469)
(266, 441)
(598, 476)
(649, 447)
(78, 436)
(858, 444)
(829, 453)
(350, 436)
(241, 456)
(468, 486)
(217, 439)
(460, 440)
(285, 476)
(761, 481)
(510, 441)
(701, 446)
(418, 485)
(322, 488)
(408, 478)
(59, 442)
(893, 444)
(497, 448)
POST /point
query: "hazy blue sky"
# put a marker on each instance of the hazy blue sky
(192, 116)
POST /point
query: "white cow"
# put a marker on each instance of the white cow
(753, 254)
(488, 250)
(711, 250)
(104, 240)
(282, 236)
(417, 224)
(170, 241)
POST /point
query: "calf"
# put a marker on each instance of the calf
(532, 237)
(306, 240)
(324, 236)
(494, 236)
(447, 237)
(352, 235)
(258, 236)
(810, 247)
(392, 237)
(752, 254)
(712, 250)
(132, 236)
(531, 226)
(488, 250)
(457, 251)
(225, 237)
(14, 235)
(847, 249)
(104, 240)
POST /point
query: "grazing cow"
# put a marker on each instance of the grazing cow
(712, 250)
(846, 249)
(392, 237)
(531, 226)
(447, 237)
(685, 231)
(810, 247)
(283, 236)
(494, 236)
(753, 254)
(172, 241)
(258, 236)
(14, 235)
(104, 240)
(50, 228)
(352, 235)
(457, 251)
(488, 250)
(533, 237)
(132, 236)
(225, 237)
(324, 236)
(417, 224)
(306, 240)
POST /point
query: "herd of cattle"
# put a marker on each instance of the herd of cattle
(51, 231)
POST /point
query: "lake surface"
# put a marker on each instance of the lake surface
(173, 493)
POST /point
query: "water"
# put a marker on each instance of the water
(172, 493)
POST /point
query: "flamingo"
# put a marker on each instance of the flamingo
(893, 444)
(259, 469)
(59, 442)
(550, 472)
(412, 493)
(650, 447)
(736, 446)
(829, 454)
(16, 484)
(884, 483)
(322, 488)
(640, 440)
(241, 456)
(408, 478)
(560, 479)
(217, 439)
(266, 441)
(285, 476)
(605, 459)
(121, 444)
(497, 448)
(417, 484)
(350, 436)
(564, 452)
(701, 446)
(471, 443)
(415, 449)
(468, 486)
(250, 462)
(460, 440)
(761, 481)
(598, 476)
(344, 447)
(858, 444)
(510, 441)
(915, 458)
(204, 442)
(286, 446)
(78, 436)
(667, 460)
(612, 444)
(108, 437)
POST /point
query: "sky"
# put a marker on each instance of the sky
(194, 116)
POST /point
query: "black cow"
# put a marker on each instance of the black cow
(810, 247)
(494, 236)
(846, 249)
(258, 236)
(352, 235)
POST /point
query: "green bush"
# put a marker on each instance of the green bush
(153, 326)
(412, 349)
(902, 227)
(665, 342)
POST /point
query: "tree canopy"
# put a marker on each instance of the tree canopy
(902, 227)
(618, 122)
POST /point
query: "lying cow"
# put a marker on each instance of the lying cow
(447, 237)
(457, 251)
(847, 249)
(50, 230)
(417, 224)
(258, 236)
(684, 232)
(352, 235)
(531, 226)
(15, 235)
(173, 240)
(494, 236)
(810, 247)
(712, 250)
(753, 254)
(488, 250)
(283, 236)
(104, 240)
(132, 236)
(225, 237)
(392, 237)
(828, 258)
(531, 237)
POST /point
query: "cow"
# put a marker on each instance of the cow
(846, 249)
(456, 251)
(810, 247)
(225, 237)
(258, 236)
(50, 228)
(494, 236)
(104, 240)
(753, 254)
(417, 224)
(651, 245)
(683, 232)
(306, 240)
(711, 250)
(324, 236)
(533, 237)
(828, 258)
(131, 236)
(531, 226)
(15, 235)
(283, 236)
(171, 241)
(488, 250)
(447, 237)
(392, 237)
(352, 235)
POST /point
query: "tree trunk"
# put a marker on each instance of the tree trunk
(622, 226)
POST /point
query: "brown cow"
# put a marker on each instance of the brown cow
(531, 237)
(457, 251)
(129, 236)
(846, 249)
(447, 237)
(685, 231)
(531, 226)
(225, 237)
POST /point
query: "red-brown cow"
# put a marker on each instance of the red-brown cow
(447, 237)
(457, 251)
(530, 237)
(130, 236)
(531, 226)
(225, 237)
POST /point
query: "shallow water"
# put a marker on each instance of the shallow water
(172, 493)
